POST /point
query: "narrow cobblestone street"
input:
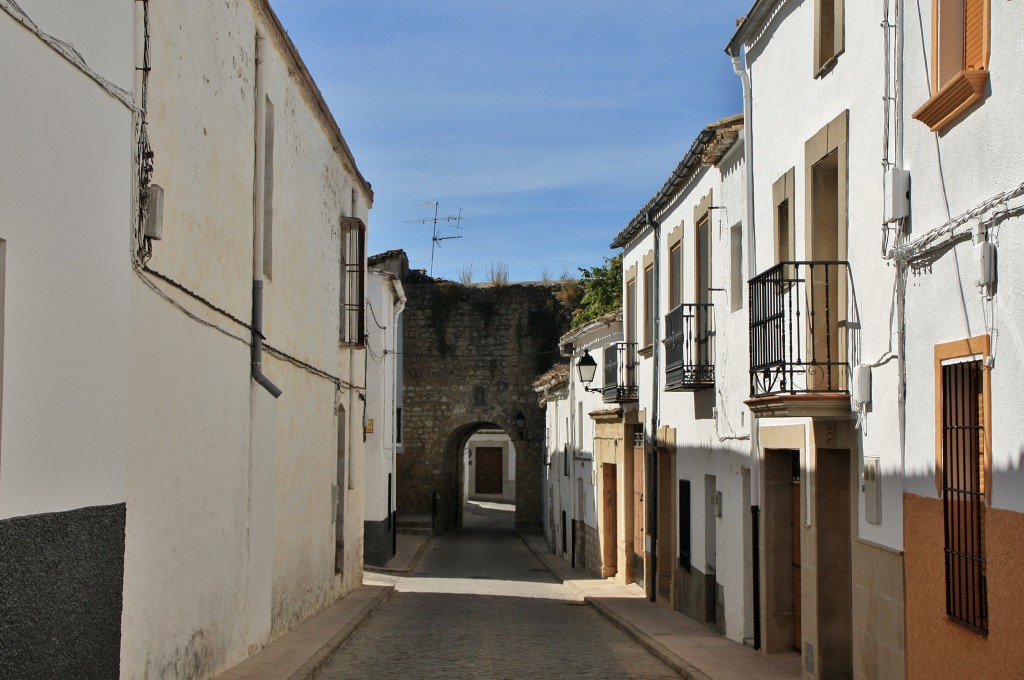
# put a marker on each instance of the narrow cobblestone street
(480, 605)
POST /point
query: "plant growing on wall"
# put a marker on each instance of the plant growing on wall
(602, 291)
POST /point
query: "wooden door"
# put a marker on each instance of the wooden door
(638, 511)
(611, 524)
(488, 470)
(795, 522)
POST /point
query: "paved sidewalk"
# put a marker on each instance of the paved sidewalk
(689, 648)
(301, 652)
(408, 550)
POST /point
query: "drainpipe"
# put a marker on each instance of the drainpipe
(257, 239)
(734, 51)
(652, 491)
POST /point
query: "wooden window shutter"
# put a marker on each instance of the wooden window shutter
(974, 34)
(684, 524)
(839, 26)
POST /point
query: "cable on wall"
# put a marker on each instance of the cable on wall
(69, 53)
(144, 271)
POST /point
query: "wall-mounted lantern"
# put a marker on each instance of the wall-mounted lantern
(587, 368)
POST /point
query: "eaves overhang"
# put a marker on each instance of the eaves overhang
(713, 142)
(341, 147)
(751, 25)
(600, 322)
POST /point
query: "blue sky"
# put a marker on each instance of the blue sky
(549, 123)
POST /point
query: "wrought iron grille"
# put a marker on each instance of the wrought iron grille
(798, 329)
(620, 373)
(963, 493)
(689, 347)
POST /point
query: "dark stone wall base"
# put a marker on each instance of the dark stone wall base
(377, 542)
(61, 579)
(701, 598)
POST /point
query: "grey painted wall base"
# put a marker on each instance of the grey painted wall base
(701, 598)
(377, 542)
(61, 578)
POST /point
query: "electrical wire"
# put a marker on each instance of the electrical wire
(374, 315)
(68, 52)
(174, 303)
(958, 228)
(142, 271)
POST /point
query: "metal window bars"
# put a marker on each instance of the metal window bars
(689, 347)
(798, 329)
(620, 373)
(963, 494)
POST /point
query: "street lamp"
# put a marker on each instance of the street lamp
(587, 368)
(520, 421)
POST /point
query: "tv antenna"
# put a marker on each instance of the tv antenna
(435, 240)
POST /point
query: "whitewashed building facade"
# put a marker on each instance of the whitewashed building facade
(824, 378)
(184, 257)
(66, 178)
(684, 291)
(385, 300)
(962, 297)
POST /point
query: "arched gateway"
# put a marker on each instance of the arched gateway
(470, 356)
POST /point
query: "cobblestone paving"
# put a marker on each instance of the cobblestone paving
(480, 605)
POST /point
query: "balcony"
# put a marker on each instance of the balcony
(689, 348)
(620, 373)
(798, 340)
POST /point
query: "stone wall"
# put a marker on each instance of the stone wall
(471, 354)
(61, 579)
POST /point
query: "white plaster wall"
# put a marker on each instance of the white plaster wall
(717, 442)
(975, 158)
(633, 254)
(229, 490)
(66, 182)
(586, 469)
(508, 453)
(559, 491)
(790, 106)
(380, 393)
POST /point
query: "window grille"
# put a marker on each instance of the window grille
(352, 326)
(963, 493)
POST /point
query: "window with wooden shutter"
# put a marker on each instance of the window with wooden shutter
(685, 550)
(631, 310)
(829, 33)
(352, 322)
(960, 57)
(675, 275)
(649, 310)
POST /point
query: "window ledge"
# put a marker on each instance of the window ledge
(646, 352)
(963, 90)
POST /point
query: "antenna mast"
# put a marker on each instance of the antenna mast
(435, 240)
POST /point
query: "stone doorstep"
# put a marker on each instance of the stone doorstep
(301, 652)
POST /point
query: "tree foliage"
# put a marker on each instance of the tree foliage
(602, 291)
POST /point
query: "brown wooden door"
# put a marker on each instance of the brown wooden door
(488, 470)
(611, 525)
(795, 489)
(638, 512)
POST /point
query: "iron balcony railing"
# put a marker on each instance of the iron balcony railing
(620, 373)
(689, 347)
(798, 329)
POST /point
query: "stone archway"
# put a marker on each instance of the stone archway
(470, 356)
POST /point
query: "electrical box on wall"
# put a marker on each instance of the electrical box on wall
(897, 194)
(153, 225)
(860, 392)
(985, 263)
(871, 487)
